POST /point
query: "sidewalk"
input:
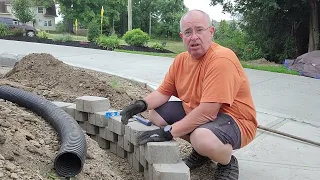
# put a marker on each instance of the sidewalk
(284, 102)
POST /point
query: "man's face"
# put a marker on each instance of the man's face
(196, 34)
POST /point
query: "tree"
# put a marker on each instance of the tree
(22, 10)
(279, 27)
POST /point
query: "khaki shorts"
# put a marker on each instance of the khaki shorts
(224, 127)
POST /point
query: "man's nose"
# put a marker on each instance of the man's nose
(194, 35)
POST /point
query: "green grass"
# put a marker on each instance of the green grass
(74, 38)
(177, 47)
(270, 68)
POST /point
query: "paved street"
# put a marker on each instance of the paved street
(284, 102)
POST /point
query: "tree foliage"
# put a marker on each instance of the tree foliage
(22, 10)
(278, 27)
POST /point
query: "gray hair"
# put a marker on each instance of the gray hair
(204, 13)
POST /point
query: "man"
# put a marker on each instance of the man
(216, 114)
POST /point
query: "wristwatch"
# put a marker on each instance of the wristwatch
(167, 128)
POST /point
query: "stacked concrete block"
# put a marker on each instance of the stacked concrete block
(157, 160)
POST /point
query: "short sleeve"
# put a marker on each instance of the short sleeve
(168, 86)
(221, 82)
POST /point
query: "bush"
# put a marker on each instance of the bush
(17, 32)
(62, 38)
(43, 35)
(4, 31)
(136, 37)
(159, 46)
(109, 43)
(251, 52)
(93, 31)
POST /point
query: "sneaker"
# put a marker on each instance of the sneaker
(195, 160)
(229, 171)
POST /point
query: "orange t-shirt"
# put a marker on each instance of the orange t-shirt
(217, 77)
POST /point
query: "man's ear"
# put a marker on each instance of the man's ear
(180, 34)
(212, 30)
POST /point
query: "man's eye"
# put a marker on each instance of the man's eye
(200, 30)
(188, 32)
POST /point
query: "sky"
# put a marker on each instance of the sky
(215, 12)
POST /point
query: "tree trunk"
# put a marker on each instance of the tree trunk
(69, 26)
(313, 27)
(150, 21)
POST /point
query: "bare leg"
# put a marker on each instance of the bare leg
(210, 146)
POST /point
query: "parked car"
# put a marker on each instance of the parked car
(14, 23)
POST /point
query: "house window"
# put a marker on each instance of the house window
(48, 23)
(40, 10)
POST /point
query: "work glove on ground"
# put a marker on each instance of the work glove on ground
(133, 109)
(158, 135)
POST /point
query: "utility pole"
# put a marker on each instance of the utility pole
(129, 15)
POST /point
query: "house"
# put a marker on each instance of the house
(44, 17)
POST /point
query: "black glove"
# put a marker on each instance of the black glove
(158, 135)
(133, 109)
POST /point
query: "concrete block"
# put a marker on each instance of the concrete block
(100, 119)
(106, 134)
(130, 158)
(80, 116)
(142, 158)
(136, 152)
(127, 145)
(136, 129)
(121, 152)
(113, 147)
(121, 141)
(92, 118)
(116, 125)
(104, 144)
(92, 104)
(79, 104)
(83, 126)
(102, 133)
(62, 105)
(91, 129)
(177, 171)
(136, 164)
(162, 152)
(147, 174)
(94, 137)
(111, 136)
(71, 110)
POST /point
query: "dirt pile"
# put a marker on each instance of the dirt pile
(54, 79)
(28, 144)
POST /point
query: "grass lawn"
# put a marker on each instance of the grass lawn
(177, 47)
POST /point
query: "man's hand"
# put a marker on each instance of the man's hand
(133, 109)
(158, 135)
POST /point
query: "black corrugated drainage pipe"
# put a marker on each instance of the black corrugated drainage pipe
(72, 153)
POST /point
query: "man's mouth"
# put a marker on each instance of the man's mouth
(195, 45)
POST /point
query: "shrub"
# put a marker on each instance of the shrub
(17, 32)
(93, 31)
(4, 30)
(158, 46)
(62, 38)
(110, 42)
(43, 35)
(136, 37)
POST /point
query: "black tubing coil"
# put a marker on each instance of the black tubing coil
(71, 156)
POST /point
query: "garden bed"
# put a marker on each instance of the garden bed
(91, 45)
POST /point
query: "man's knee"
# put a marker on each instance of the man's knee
(203, 140)
(156, 119)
